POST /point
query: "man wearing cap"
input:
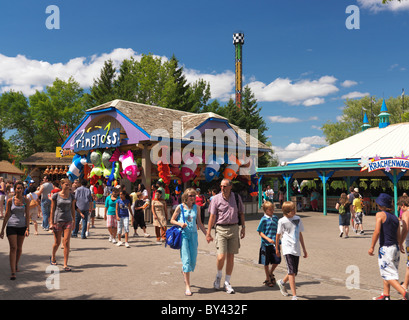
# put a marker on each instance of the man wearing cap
(387, 230)
(30, 184)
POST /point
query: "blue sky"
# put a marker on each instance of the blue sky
(299, 58)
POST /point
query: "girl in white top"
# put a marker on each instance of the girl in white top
(33, 207)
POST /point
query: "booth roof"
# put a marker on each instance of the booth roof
(154, 118)
(7, 167)
(46, 159)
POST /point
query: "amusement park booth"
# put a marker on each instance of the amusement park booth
(125, 142)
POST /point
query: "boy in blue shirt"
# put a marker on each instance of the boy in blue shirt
(267, 230)
(123, 210)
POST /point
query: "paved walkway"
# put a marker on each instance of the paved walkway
(336, 268)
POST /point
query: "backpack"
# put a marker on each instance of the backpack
(174, 234)
(342, 209)
(236, 195)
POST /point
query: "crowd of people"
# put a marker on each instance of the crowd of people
(67, 207)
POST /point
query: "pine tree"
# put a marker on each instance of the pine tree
(103, 88)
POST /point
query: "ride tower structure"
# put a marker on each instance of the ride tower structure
(238, 41)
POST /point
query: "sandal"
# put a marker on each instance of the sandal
(188, 293)
(268, 283)
(67, 269)
(53, 263)
(273, 280)
(13, 276)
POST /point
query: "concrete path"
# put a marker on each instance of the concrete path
(336, 268)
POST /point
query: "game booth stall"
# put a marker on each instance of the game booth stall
(122, 142)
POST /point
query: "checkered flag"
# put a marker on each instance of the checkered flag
(238, 38)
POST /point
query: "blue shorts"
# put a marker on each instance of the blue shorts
(268, 255)
(344, 219)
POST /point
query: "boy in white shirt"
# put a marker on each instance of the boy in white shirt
(289, 231)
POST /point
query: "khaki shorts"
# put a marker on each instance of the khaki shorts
(227, 239)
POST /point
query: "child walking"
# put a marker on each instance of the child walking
(267, 229)
(123, 210)
(358, 209)
(289, 231)
(138, 219)
(387, 230)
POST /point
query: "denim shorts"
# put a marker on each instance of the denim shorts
(123, 223)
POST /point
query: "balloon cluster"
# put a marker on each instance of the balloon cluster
(100, 166)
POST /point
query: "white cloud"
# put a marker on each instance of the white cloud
(349, 83)
(22, 74)
(307, 92)
(28, 75)
(297, 150)
(280, 119)
(313, 101)
(221, 85)
(314, 140)
(377, 5)
(355, 95)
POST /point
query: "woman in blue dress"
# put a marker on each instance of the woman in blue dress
(187, 216)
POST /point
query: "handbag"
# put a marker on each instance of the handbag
(33, 203)
(174, 234)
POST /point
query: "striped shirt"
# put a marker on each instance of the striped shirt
(268, 226)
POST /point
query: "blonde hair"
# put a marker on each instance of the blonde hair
(185, 194)
(288, 206)
(64, 180)
(343, 199)
(268, 205)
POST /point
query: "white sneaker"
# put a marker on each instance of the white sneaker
(147, 235)
(294, 298)
(228, 288)
(110, 239)
(127, 245)
(119, 243)
(113, 240)
(283, 290)
(216, 283)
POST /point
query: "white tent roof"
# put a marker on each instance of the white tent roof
(385, 142)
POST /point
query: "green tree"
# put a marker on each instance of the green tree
(15, 115)
(4, 147)
(42, 121)
(353, 112)
(102, 89)
(149, 81)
